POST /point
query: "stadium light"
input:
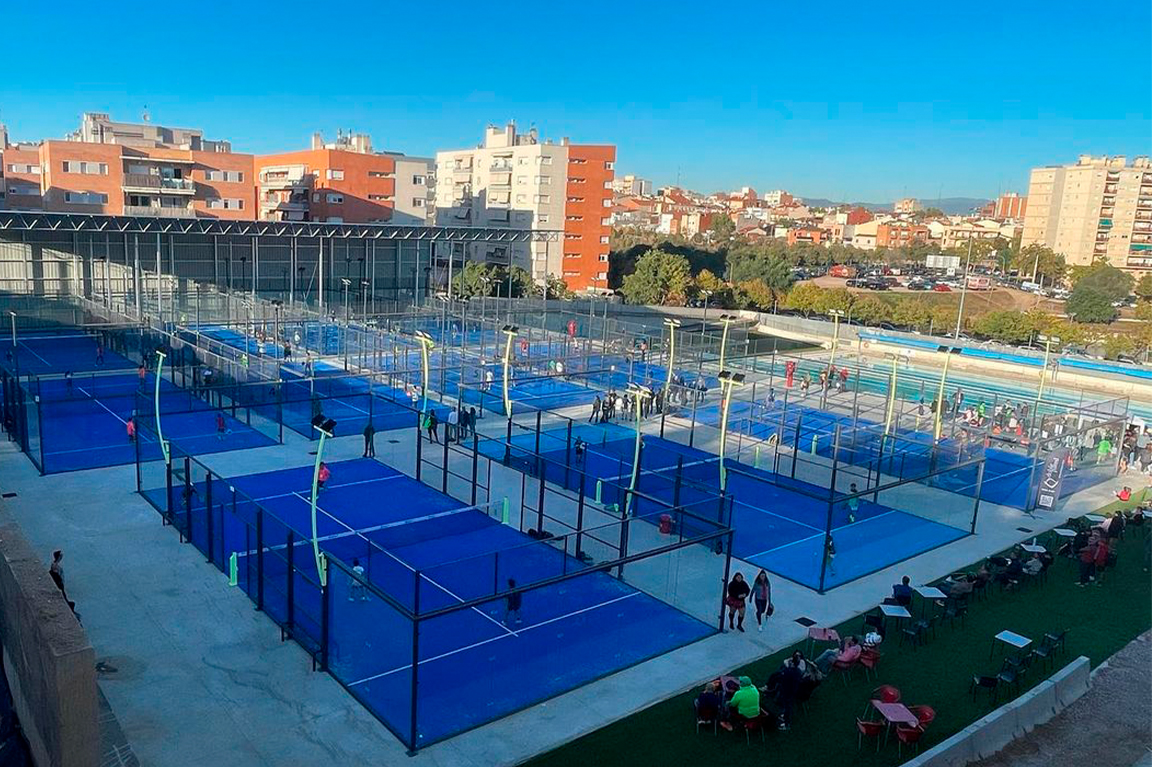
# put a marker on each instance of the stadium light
(509, 332)
(1048, 341)
(728, 380)
(639, 393)
(156, 404)
(426, 345)
(948, 352)
(727, 319)
(670, 323)
(891, 392)
(327, 428)
(837, 314)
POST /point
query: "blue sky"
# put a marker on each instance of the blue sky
(841, 100)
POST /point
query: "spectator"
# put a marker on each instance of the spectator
(902, 592)
(322, 476)
(1101, 554)
(1124, 494)
(762, 594)
(1033, 566)
(431, 423)
(369, 440)
(451, 430)
(738, 592)
(1087, 556)
(744, 704)
(709, 703)
(849, 652)
(788, 688)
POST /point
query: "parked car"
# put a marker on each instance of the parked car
(919, 285)
(852, 282)
(940, 287)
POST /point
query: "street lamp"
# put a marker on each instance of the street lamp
(707, 294)
(728, 380)
(327, 428)
(671, 324)
(963, 292)
(509, 332)
(939, 425)
(639, 394)
(426, 345)
(346, 283)
(15, 350)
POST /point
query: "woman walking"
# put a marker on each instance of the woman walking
(762, 595)
(737, 597)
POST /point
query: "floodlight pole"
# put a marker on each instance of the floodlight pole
(836, 315)
(939, 426)
(891, 394)
(639, 393)
(321, 571)
(671, 324)
(15, 349)
(963, 291)
(1048, 341)
(727, 381)
(727, 321)
(156, 401)
(426, 345)
(509, 337)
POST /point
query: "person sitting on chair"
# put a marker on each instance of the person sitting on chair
(709, 704)
(902, 592)
(744, 704)
(1124, 494)
(848, 653)
(1033, 566)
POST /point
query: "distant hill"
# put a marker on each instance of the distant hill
(953, 206)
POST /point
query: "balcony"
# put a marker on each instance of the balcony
(285, 205)
(147, 182)
(500, 166)
(1144, 203)
(158, 212)
(285, 181)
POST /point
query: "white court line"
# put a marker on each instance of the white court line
(126, 444)
(34, 354)
(494, 639)
(342, 484)
(820, 535)
(414, 570)
(101, 404)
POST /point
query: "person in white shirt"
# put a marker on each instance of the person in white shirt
(453, 425)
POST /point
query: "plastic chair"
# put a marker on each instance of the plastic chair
(886, 693)
(1058, 641)
(956, 611)
(869, 660)
(1044, 651)
(755, 724)
(907, 735)
(924, 714)
(706, 716)
(866, 729)
(845, 669)
(989, 683)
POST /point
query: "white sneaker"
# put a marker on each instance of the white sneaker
(760, 627)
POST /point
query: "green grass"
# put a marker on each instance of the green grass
(1101, 619)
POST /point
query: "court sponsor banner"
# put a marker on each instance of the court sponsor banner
(1051, 478)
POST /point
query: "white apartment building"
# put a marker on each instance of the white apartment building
(632, 186)
(1099, 207)
(415, 196)
(521, 182)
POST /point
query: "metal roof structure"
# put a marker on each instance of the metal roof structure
(30, 221)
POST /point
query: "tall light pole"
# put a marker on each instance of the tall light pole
(728, 380)
(1048, 341)
(639, 394)
(156, 403)
(727, 320)
(939, 425)
(346, 283)
(837, 314)
(327, 428)
(963, 291)
(509, 332)
(15, 350)
(671, 324)
(426, 344)
(891, 393)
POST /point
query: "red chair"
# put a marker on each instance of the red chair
(845, 669)
(755, 724)
(870, 659)
(924, 714)
(909, 735)
(870, 730)
(886, 693)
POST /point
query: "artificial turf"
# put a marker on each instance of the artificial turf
(1101, 619)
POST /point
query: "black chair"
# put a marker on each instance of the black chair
(1044, 651)
(989, 683)
(1058, 641)
(955, 610)
(706, 716)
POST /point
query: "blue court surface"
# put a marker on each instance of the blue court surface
(48, 353)
(86, 427)
(905, 454)
(778, 522)
(473, 664)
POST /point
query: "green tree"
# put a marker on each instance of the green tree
(475, 279)
(722, 227)
(911, 313)
(660, 278)
(754, 294)
(1006, 326)
(1143, 287)
(1104, 278)
(1116, 344)
(806, 297)
(1144, 311)
(871, 310)
(1089, 305)
(1042, 262)
(555, 287)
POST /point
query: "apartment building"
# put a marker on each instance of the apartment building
(1097, 208)
(897, 234)
(518, 181)
(98, 128)
(906, 205)
(778, 198)
(632, 186)
(1010, 206)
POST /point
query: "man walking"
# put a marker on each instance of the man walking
(369, 440)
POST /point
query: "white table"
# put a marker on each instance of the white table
(1032, 548)
(895, 611)
(1064, 532)
(1010, 638)
(930, 592)
(1098, 519)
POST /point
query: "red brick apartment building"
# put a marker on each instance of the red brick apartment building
(895, 234)
(586, 215)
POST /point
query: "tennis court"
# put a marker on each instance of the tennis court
(904, 453)
(472, 666)
(46, 353)
(779, 522)
(84, 425)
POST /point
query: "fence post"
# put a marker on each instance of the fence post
(208, 514)
(475, 464)
(291, 586)
(412, 737)
(580, 519)
(419, 446)
(259, 555)
(444, 485)
(325, 618)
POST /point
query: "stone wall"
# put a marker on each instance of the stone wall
(48, 660)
